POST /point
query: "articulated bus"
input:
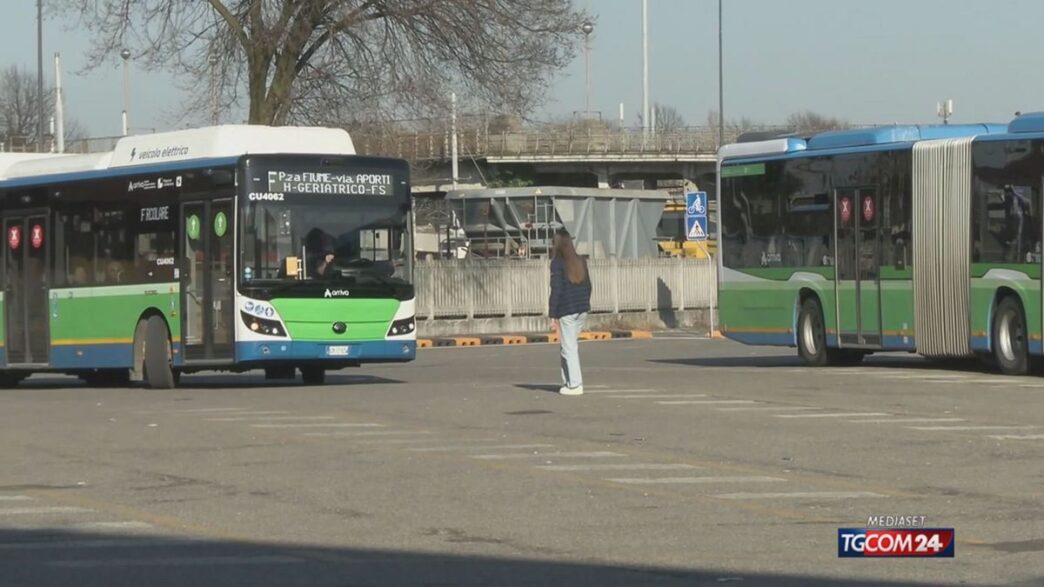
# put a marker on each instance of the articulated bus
(923, 239)
(225, 248)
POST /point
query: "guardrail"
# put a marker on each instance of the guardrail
(465, 288)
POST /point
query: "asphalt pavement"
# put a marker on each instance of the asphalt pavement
(688, 461)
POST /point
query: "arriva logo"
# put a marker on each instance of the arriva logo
(336, 293)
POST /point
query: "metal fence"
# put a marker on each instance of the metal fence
(452, 288)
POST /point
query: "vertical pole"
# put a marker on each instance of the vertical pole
(453, 136)
(587, 73)
(39, 77)
(645, 66)
(59, 108)
(126, 90)
(721, 84)
(213, 90)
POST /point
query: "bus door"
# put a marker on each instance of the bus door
(26, 315)
(858, 267)
(207, 281)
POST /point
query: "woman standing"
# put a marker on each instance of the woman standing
(568, 307)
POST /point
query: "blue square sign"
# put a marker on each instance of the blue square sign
(696, 216)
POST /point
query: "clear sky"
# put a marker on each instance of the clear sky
(866, 61)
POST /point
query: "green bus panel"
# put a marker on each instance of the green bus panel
(109, 315)
(311, 319)
(984, 293)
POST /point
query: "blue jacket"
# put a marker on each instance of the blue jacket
(567, 297)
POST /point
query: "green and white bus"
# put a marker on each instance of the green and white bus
(221, 248)
(923, 239)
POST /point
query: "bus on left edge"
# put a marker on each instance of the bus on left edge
(223, 248)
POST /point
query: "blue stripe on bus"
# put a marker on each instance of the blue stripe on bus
(897, 343)
(401, 350)
(981, 343)
(92, 356)
(117, 171)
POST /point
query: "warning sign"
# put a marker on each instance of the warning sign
(698, 230)
(14, 237)
(845, 209)
(868, 208)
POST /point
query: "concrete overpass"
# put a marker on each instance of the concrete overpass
(577, 157)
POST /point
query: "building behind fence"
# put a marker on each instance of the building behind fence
(512, 294)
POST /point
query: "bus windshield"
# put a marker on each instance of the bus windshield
(285, 241)
(307, 228)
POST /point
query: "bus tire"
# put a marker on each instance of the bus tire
(159, 374)
(1010, 349)
(811, 336)
(313, 375)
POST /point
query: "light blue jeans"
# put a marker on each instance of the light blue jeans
(569, 328)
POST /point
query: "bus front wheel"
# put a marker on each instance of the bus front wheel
(811, 335)
(158, 371)
(1009, 338)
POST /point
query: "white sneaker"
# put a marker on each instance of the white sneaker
(565, 390)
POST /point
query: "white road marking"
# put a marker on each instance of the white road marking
(325, 425)
(661, 396)
(964, 428)
(269, 418)
(115, 526)
(706, 402)
(370, 433)
(190, 411)
(1017, 436)
(766, 409)
(905, 420)
(175, 561)
(841, 415)
(254, 413)
(15, 498)
(477, 447)
(696, 480)
(620, 467)
(42, 510)
(586, 390)
(548, 455)
(801, 495)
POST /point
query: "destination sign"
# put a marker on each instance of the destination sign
(314, 182)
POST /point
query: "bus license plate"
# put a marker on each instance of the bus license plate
(338, 351)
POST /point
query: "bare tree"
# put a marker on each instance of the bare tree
(20, 109)
(321, 61)
(667, 118)
(809, 122)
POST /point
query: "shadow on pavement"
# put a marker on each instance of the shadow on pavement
(538, 387)
(884, 361)
(44, 558)
(46, 381)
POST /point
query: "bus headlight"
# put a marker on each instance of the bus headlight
(262, 325)
(403, 326)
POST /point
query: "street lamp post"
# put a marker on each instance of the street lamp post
(721, 84)
(587, 29)
(39, 77)
(213, 60)
(645, 66)
(125, 54)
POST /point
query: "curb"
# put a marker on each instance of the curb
(522, 339)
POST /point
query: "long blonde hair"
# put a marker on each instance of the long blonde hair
(562, 246)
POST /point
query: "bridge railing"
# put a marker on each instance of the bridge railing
(541, 143)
